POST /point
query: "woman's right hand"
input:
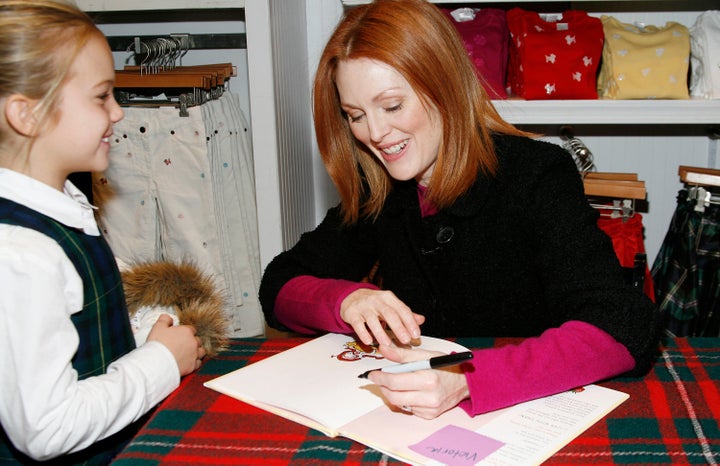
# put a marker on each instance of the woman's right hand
(371, 313)
(181, 341)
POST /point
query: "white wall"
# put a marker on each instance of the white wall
(322, 17)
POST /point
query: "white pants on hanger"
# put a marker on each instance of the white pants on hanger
(158, 201)
(231, 163)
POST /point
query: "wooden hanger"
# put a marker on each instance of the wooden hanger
(623, 189)
(220, 72)
(696, 180)
(127, 79)
(184, 86)
(611, 176)
(699, 176)
(622, 186)
(227, 70)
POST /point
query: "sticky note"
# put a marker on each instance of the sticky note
(455, 446)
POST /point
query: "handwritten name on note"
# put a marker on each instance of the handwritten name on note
(455, 446)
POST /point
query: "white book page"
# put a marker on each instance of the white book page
(533, 431)
(313, 381)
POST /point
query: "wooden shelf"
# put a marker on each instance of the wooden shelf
(135, 5)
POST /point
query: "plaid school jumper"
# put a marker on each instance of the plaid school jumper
(103, 324)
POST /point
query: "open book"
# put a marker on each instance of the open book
(316, 384)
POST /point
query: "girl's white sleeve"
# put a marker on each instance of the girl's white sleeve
(44, 409)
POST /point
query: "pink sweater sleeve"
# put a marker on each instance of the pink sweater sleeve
(572, 355)
(309, 305)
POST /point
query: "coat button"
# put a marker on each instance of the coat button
(445, 234)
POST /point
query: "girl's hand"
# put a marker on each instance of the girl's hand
(427, 393)
(181, 341)
(373, 312)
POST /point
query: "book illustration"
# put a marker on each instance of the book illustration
(354, 350)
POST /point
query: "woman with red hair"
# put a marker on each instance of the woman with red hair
(474, 228)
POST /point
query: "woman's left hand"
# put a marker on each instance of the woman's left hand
(426, 393)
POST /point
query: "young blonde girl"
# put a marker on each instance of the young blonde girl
(74, 384)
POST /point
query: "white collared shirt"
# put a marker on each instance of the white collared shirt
(44, 409)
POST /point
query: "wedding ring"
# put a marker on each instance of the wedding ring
(406, 408)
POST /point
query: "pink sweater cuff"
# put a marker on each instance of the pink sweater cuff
(311, 305)
(560, 359)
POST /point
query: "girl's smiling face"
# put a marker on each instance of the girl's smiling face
(386, 114)
(76, 139)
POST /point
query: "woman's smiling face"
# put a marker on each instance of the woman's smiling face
(386, 114)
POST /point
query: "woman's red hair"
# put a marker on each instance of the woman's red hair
(415, 38)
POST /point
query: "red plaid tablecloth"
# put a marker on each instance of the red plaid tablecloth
(672, 417)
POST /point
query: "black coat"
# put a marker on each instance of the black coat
(516, 255)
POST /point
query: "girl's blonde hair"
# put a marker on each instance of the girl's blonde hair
(415, 38)
(39, 40)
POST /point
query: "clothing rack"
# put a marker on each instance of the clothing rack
(186, 41)
(182, 86)
(159, 69)
(623, 189)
